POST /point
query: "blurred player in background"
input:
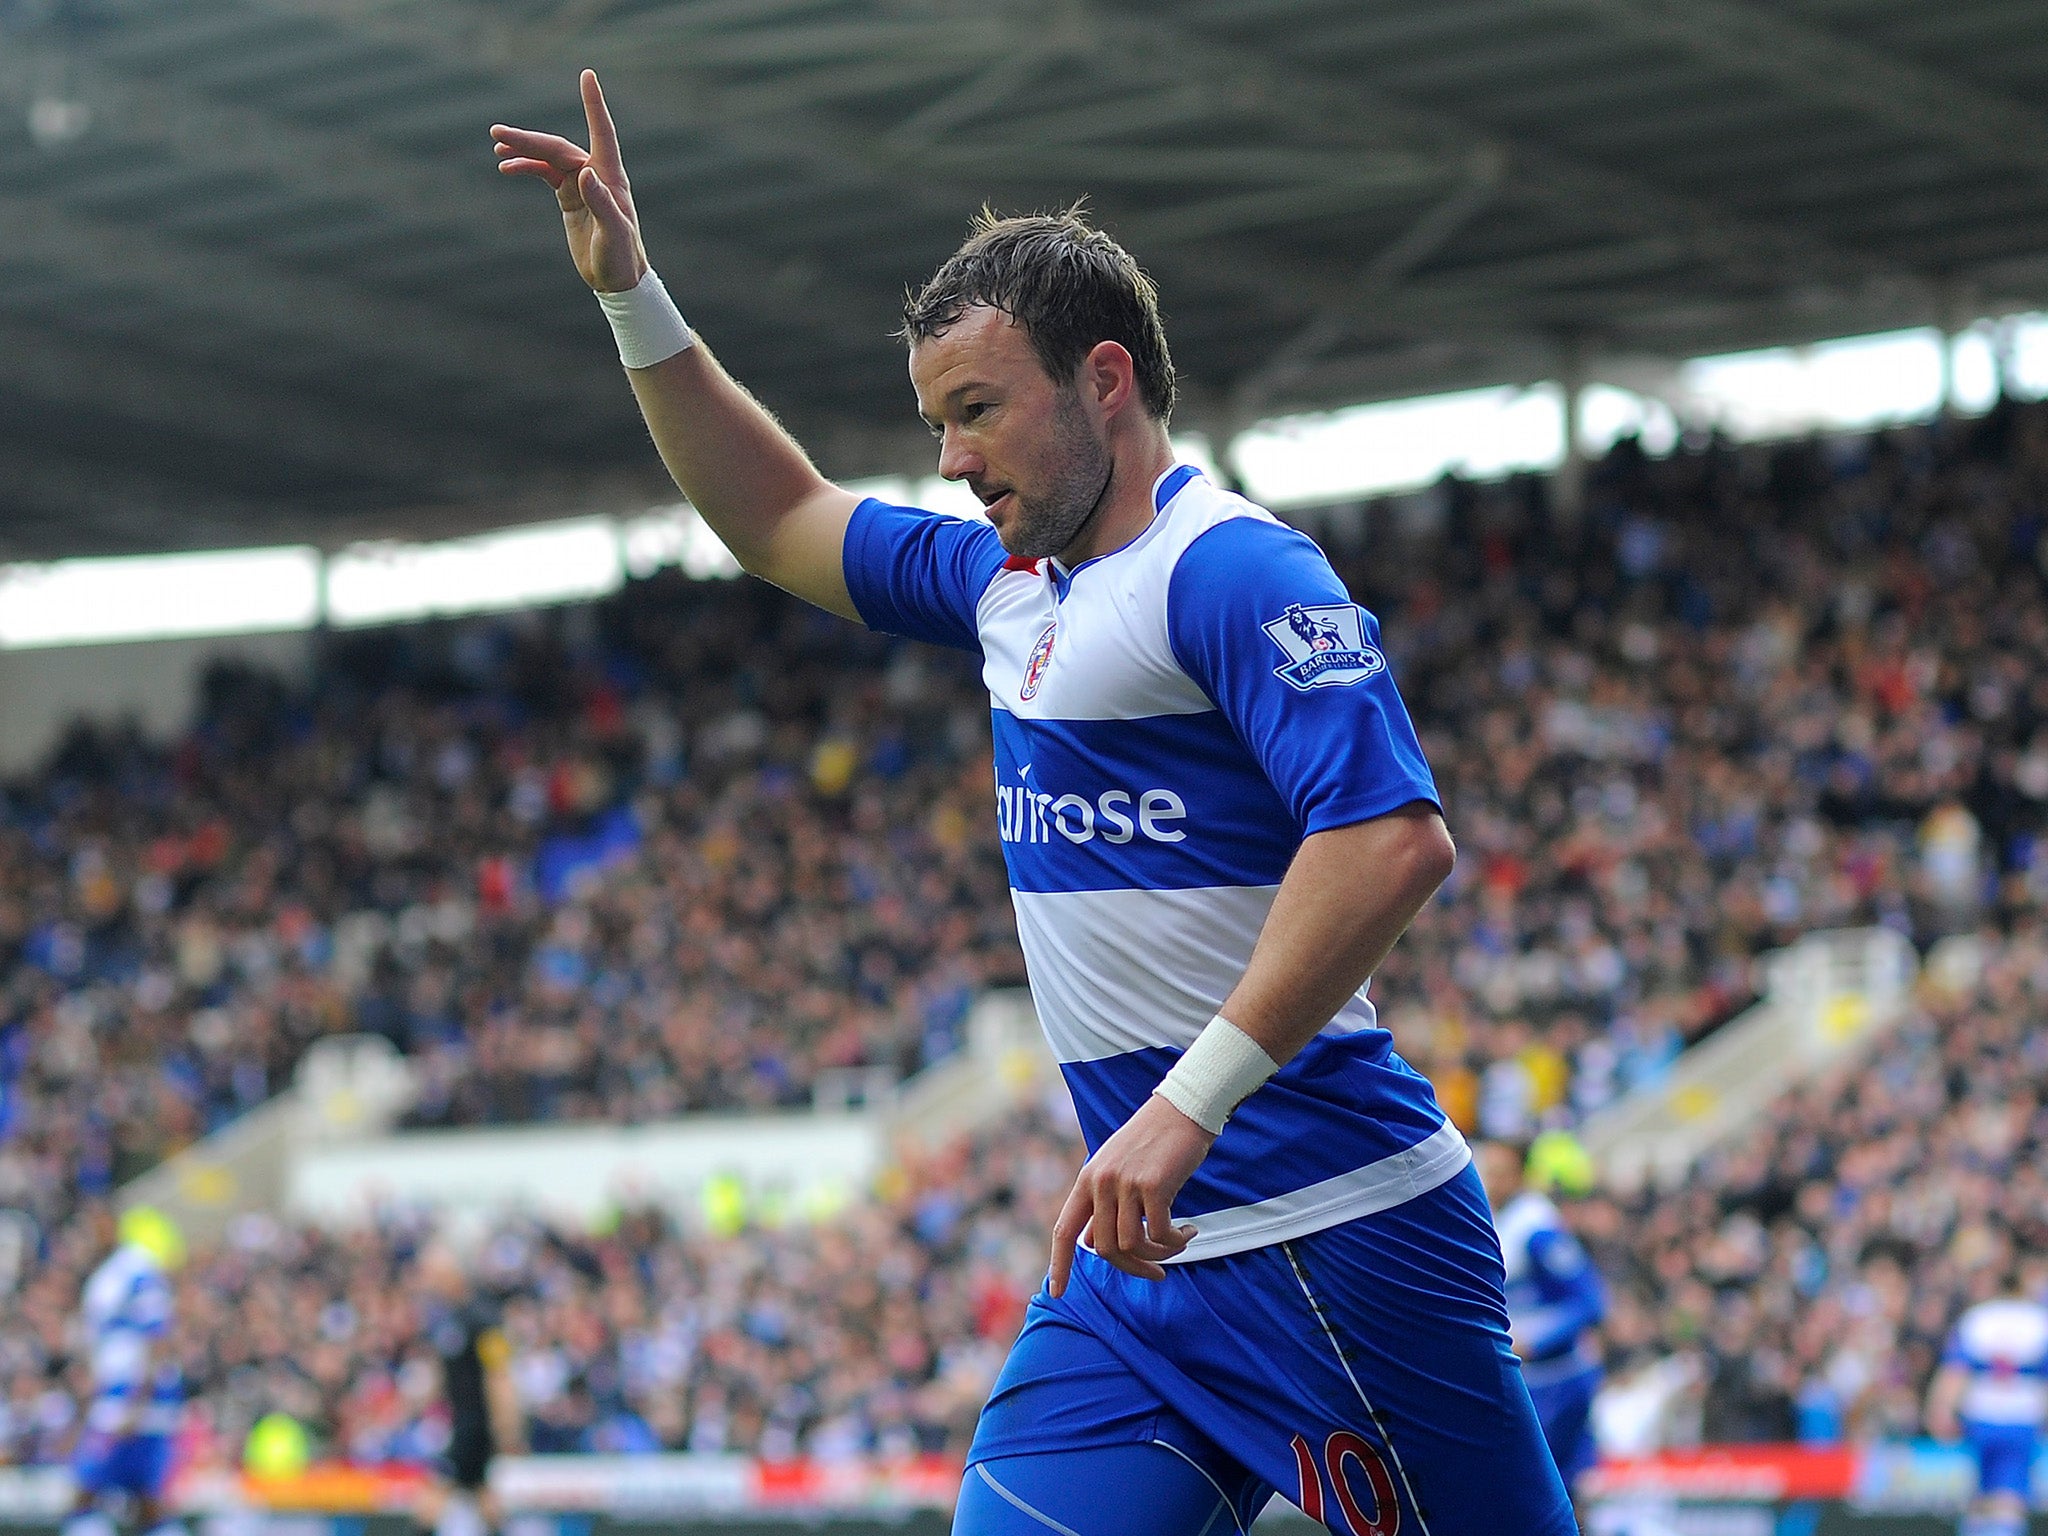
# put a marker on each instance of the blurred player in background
(1555, 1297)
(125, 1316)
(483, 1407)
(1217, 821)
(1992, 1389)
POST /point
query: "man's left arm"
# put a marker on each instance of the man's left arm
(1349, 894)
(1258, 619)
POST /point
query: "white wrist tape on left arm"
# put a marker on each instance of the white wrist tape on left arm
(646, 323)
(1216, 1074)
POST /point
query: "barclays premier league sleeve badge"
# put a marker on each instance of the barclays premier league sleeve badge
(1325, 646)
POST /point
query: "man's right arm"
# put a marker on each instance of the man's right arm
(783, 521)
(746, 476)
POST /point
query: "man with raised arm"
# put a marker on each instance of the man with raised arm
(1277, 1271)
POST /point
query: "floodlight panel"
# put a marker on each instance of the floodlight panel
(159, 597)
(528, 567)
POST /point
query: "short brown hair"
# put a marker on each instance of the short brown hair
(1066, 283)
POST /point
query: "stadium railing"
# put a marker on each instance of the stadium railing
(1006, 1059)
(346, 1086)
(325, 1150)
(1874, 1490)
(1823, 997)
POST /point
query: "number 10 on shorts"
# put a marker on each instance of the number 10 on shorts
(1347, 1457)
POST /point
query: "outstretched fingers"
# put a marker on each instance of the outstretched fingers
(515, 166)
(604, 136)
(589, 185)
(548, 148)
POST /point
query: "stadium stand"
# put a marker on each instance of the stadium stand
(685, 849)
(1808, 1277)
(487, 844)
(877, 1333)
(1759, 692)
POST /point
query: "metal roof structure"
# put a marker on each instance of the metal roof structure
(259, 281)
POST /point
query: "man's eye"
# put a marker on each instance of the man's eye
(973, 411)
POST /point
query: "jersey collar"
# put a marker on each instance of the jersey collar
(1164, 489)
(1168, 485)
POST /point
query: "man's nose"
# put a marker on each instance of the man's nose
(956, 462)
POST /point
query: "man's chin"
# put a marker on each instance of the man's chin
(1018, 539)
(1029, 538)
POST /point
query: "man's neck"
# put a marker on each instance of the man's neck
(1126, 509)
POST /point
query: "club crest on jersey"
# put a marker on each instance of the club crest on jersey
(1325, 645)
(1041, 658)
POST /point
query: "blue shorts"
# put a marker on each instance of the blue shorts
(1364, 1372)
(134, 1464)
(2005, 1456)
(1565, 1409)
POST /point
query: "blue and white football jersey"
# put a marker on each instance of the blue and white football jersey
(2003, 1345)
(1171, 720)
(125, 1309)
(1555, 1297)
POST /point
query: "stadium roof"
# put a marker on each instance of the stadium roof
(259, 282)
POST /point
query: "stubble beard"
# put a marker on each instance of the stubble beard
(1046, 523)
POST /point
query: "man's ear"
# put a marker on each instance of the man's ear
(1108, 376)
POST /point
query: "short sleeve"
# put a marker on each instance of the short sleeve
(1258, 619)
(1557, 1254)
(149, 1309)
(919, 574)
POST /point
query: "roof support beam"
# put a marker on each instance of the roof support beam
(63, 505)
(1320, 110)
(1415, 245)
(1166, 228)
(265, 423)
(1165, 108)
(237, 307)
(1586, 192)
(475, 205)
(773, 122)
(998, 153)
(1816, 65)
(1363, 152)
(986, 92)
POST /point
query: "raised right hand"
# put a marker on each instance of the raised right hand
(590, 185)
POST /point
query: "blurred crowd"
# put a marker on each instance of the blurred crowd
(698, 847)
(878, 1332)
(1755, 692)
(1805, 1280)
(688, 850)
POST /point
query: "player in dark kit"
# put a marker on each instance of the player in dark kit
(483, 1414)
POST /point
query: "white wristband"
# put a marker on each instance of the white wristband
(1216, 1074)
(646, 323)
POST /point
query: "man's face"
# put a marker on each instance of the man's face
(440, 1273)
(1027, 447)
